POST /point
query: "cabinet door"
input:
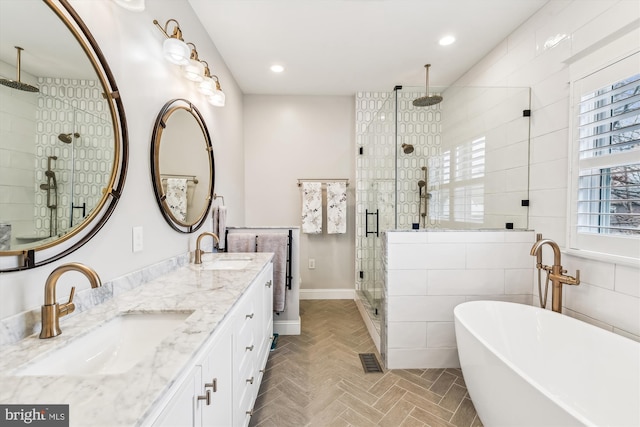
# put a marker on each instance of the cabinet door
(217, 379)
(182, 410)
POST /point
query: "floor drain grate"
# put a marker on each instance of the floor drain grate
(370, 363)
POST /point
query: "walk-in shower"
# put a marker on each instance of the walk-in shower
(468, 169)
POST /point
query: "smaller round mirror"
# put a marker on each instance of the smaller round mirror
(182, 165)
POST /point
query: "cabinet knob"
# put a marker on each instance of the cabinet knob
(249, 316)
(249, 380)
(268, 284)
(250, 348)
(213, 384)
(207, 397)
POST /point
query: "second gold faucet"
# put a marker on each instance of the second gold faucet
(198, 251)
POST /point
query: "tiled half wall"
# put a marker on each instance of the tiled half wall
(428, 273)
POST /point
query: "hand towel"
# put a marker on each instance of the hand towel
(241, 242)
(336, 207)
(277, 243)
(177, 197)
(219, 225)
(312, 207)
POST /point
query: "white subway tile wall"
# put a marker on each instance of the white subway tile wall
(17, 157)
(430, 272)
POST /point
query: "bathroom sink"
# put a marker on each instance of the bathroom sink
(227, 264)
(112, 348)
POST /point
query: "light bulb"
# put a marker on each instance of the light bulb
(218, 98)
(176, 51)
(194, 70)
(207, 86)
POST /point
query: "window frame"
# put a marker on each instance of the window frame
(583, 81)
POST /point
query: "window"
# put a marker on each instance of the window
(606, 212)
(461, 184)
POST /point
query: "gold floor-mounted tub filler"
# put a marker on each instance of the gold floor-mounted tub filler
(555, 273)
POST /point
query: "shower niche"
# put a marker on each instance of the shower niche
(462, 163)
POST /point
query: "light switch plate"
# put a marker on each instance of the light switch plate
(137, 239)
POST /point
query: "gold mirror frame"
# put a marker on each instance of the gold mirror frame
(53, 250)
(175, 108)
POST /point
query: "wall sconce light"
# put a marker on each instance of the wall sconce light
(178, 52)
(207, 86)
(174, 49)
(194, 69)
(133, 5)
(218, 97)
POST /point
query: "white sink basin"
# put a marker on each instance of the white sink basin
(227, 264)
(112, 348)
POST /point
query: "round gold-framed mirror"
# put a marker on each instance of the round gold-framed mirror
(64, 134)
(182, 165)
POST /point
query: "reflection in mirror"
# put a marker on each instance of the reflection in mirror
(182, 165)
(62, 148)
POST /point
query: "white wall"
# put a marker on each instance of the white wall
(292, 137)
(609, 295)
(132, 46)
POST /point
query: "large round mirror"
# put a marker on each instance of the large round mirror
(182, 165)
(63, 140)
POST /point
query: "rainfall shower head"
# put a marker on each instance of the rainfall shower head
(67, 138)
(427, 100)
(17, 84)
(407, 148)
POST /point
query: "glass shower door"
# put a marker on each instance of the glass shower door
(376, 202)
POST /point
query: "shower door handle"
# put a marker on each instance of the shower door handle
(366, 223)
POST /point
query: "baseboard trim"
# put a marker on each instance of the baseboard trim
(327, 294)
(287, 327)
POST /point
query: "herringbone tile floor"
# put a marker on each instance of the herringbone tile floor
(316, 379)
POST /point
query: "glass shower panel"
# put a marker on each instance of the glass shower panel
(376, 199)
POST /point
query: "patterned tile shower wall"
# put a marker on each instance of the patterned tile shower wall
(387, 178)
(82, 167)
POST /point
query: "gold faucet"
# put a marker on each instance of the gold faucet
(199, 252)
(555, 272)
(51, 310)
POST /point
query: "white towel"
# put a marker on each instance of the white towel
(220, 223)
(336, 207)
(241, 242)
(312, 207)
(177, 197)
(277, 243)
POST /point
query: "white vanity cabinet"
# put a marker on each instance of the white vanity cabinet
(204, 398)
(252, 342)
(221, 387)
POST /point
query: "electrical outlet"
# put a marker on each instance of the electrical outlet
(312, 263)
(137, 239)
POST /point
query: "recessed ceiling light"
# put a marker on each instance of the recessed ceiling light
(277, 68)
(447, 40)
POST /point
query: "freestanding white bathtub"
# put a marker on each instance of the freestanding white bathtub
(525, 366)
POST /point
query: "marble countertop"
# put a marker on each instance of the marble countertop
(126, 399)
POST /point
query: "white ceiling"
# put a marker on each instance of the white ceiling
(339, 47)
